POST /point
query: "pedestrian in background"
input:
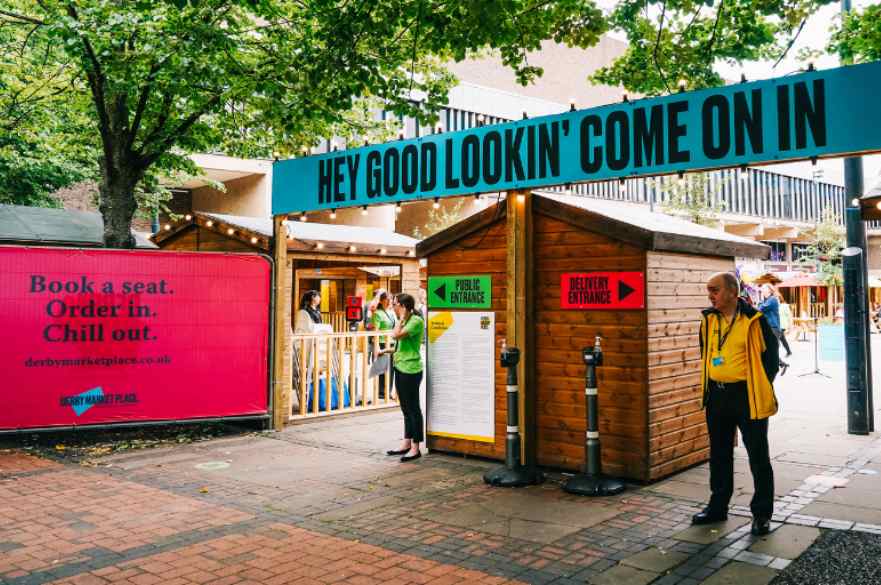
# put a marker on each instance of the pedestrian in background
(770, 308)
(740, 360)
(785, 321)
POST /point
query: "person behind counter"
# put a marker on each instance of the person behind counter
(308, 315)
(408, 333)
(382, 320)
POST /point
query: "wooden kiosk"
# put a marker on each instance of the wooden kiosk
(309, 252)
(651, 420)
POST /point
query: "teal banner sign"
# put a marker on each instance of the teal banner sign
(813, 114)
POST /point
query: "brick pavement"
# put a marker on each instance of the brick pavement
(272, 509)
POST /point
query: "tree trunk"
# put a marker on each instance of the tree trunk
(118, 205)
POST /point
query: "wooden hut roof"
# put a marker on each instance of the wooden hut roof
(301, 234)
(627, 222)
(869, 201)
(46, 226)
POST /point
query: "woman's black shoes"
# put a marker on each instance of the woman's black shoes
(397, 452)
(406, 458)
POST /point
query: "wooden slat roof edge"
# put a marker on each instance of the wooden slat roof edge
(461, 229)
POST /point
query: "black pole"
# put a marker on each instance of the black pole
(856, 237)
(592, 482)
(513, 474)
(854, 342)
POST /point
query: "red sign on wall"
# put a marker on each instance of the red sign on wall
(354, 313)
(109, 336)
(354, 301)
(602, 290)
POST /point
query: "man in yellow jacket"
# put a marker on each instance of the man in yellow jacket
(740, 359)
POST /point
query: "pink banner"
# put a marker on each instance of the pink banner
(111, 336)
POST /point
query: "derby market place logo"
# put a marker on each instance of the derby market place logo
(84, 401)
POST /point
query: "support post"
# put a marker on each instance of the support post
(281, 349)
(592, 482)
(512, 474)
(854, 340)
(856, 237)
(519, 312)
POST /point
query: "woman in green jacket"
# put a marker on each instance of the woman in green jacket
(408, 333)
(382, 320)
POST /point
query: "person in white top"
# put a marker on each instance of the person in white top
(308, 315)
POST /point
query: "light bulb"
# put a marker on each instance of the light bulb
(398, 208)
(209, 223)
(253, 240)
(319, 245)
(303, 217)
(230, 231)
(436, 204)
(333, 214)
(382, 250)
(364, 210)
(167, 227)
(188, 217)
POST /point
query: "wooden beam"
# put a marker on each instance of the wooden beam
(281, 347)
(781, 232)
(746, 230)
(520, 311)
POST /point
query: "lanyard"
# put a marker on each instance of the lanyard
(723, 338)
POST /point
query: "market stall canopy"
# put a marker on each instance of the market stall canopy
(257, 232)
(870, 200)
(627, 222)
(767, 277)
(796, 279)
(43, 226)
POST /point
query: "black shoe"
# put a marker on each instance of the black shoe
(397, 452)
(783, 368)
(708, 516)
(406, 458)
(761, 526)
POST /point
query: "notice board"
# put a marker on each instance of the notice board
(111, 336)
(461, 375)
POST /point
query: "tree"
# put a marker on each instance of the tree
(827, 241)
(164, 78)
(672, 40)
(694, 197)
(858, 38)
(440, 219)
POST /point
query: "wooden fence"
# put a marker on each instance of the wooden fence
(331, 375)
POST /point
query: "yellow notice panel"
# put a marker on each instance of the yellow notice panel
(461, 375)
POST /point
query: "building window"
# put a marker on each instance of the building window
(778, 251)
(801, 252)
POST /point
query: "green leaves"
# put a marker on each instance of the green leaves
(858, 38)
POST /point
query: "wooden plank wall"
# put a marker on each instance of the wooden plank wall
(465, 257)
(560, 336)
(676, 291)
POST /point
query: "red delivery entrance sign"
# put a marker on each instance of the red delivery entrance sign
(110, 336)
(602, 290)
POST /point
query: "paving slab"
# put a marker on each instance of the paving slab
(849, 513)
(710, 533)
(812, 458)
(347, 512)
(787, 542)
(737, 573)
(696, 492)
(529, 516)
(655, 560)
(623, 575)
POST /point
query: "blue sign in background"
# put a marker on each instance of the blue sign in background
(813, 114)
(831, 342)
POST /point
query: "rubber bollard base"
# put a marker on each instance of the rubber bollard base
(593, 485)
(517, 477)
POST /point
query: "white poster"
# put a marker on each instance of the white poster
(461, 375)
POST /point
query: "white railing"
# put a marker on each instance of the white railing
(331, 375)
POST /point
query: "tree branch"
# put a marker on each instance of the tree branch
(22, 17)
(142, 102)
(181, 130)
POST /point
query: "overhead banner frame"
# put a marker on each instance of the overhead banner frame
(815, 114)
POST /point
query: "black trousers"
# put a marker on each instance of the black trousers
(778, 333)
(408, 395)
(728, 410)
(782, 338)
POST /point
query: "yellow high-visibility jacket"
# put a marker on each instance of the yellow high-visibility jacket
(762, 359)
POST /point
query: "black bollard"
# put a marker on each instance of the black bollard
(592, 482)
(512, 474)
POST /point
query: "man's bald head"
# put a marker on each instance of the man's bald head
(722, 290)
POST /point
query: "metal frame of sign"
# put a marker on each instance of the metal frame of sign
(810, 115)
